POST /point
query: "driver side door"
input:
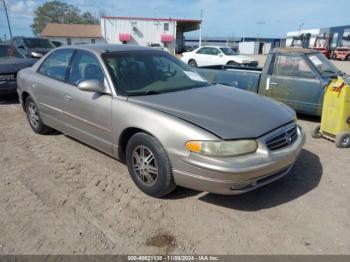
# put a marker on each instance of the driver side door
(294, 83)
(88, 114)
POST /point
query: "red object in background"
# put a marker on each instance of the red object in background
(124, 37)
(167, 38)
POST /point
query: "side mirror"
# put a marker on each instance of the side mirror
(92, 85)
(36, 54)
(220, 55)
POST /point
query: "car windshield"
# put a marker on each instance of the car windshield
(228, 51)
(150, 72)
(345, 43)
(6, 52)
(323, 65)
(38, 43)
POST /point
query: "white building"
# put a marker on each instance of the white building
(69, 34)
(166, 32)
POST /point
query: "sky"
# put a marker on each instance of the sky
(254, 18)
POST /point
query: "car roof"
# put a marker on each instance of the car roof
(103, 48)
(293, 50)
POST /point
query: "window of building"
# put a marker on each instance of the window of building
(93, 41)
(69, 41)
(166, 26)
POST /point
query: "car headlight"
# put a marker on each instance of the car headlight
(222, 148)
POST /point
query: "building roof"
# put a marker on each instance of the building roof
(72, 30)
(102, 48)
(152, 19)
(293, 50)
(186, 25)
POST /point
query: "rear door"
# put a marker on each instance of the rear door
(49, 86)
(88, 114)
(294, 83)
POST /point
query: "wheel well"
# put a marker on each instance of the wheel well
(124, 139)
(231, 61)
(24, 97)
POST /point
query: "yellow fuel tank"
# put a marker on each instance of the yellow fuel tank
(335, 120)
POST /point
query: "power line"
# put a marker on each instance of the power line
(8, 20)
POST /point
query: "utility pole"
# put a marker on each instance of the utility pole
(8, 20)
(300, 27)
(200, 30)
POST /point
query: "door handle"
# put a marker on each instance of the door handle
(68, 98)
(35, 85)
(235, 83)
(273, 83)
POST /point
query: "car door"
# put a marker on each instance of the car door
(48, 86)
(294, 83)
(202, 56)
(88, 114)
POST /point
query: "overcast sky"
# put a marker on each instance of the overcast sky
(263, 18)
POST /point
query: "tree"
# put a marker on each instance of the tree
(61, 13)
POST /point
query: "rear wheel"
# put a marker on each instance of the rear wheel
(232, 63)
(34, 119)
(192, 63)
(342, 140)
(149, 165)
(316, 132)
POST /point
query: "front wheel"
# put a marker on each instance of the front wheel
(316, 133)
(149, 165)
(342, 140)
(34, 119)
(192, 63)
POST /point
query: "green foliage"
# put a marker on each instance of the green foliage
(62, 13)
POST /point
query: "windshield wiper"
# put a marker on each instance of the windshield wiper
(148, 92)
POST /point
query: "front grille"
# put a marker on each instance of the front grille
(8, 77)
(283, 139)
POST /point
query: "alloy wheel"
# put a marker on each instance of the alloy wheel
(145, 165)
(33, 115)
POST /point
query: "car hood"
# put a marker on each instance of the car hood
(241, 58)
(227, 112)
(13, 65)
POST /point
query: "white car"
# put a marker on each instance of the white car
(214, 55)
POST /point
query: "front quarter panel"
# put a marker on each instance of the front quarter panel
(171, 132)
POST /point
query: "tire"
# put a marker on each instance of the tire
(144, 175)
(192, 63)
(232, 63)
(33, 116)
(342, 140)
(348, 58)
(333, 56)
(316, 132)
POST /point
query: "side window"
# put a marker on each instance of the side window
(56, 64)
(166, 26)
(293, 66)
(203, 51)
(213, 51)
(85, 66)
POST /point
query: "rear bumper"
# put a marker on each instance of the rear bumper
(8, 87)
(241, 174)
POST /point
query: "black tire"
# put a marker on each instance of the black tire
(348, 58)
(333, 56)
(316, 132)
(342, 140)
(38, 126)
(164, 183)
(192, 63)
(232, 63)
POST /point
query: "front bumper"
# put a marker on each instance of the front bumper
(8, 87)
(236, 175)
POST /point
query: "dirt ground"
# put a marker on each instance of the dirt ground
(58, 196)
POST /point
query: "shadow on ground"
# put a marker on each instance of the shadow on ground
(304, 177)
(315, 119)
(9, 99)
